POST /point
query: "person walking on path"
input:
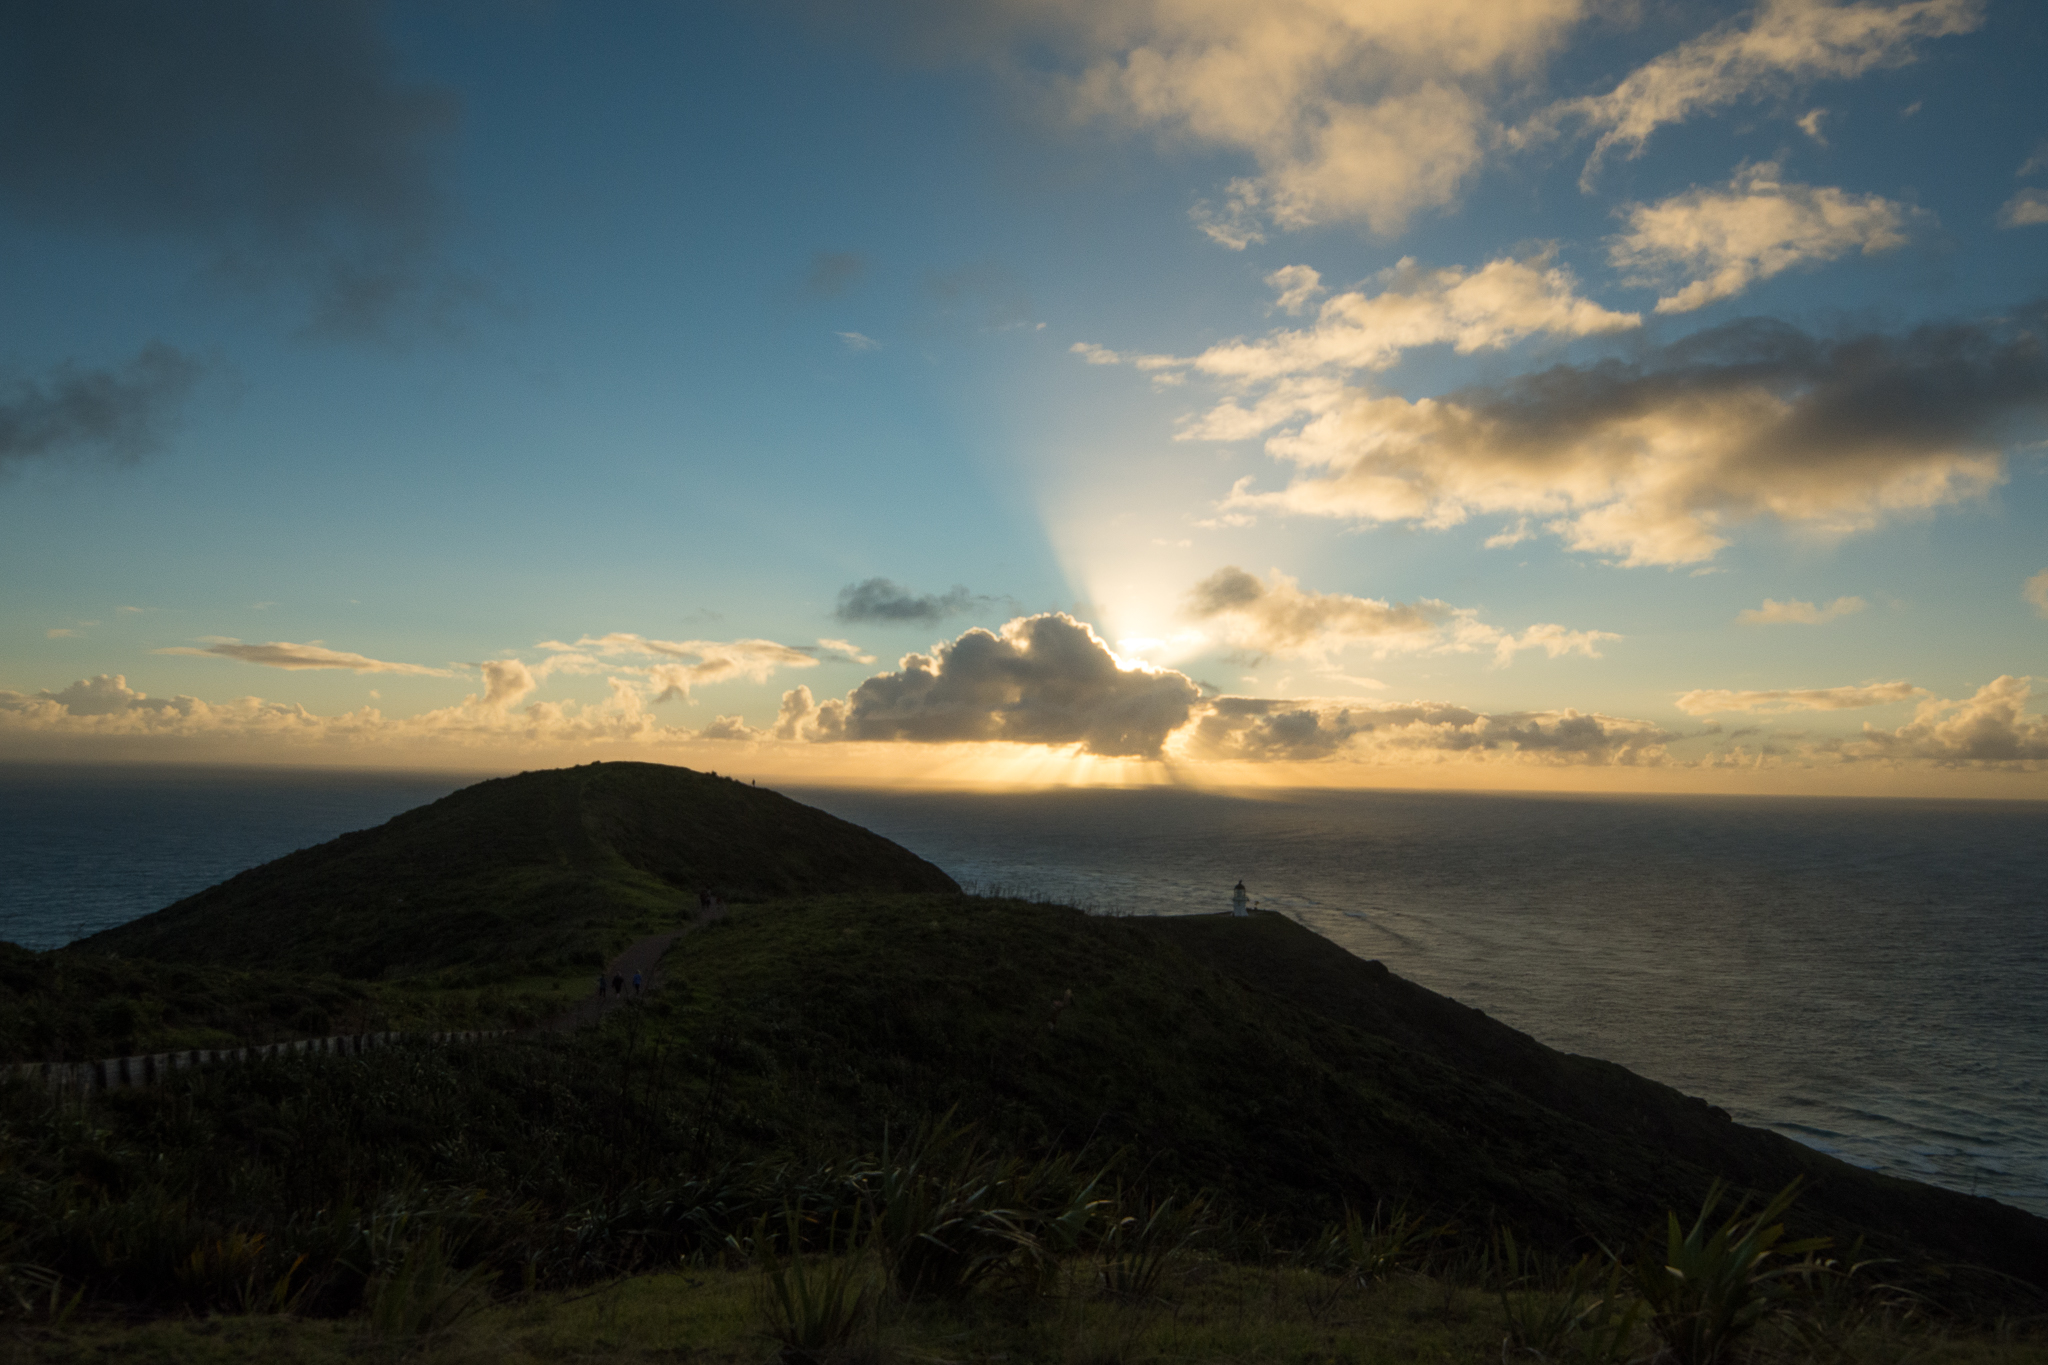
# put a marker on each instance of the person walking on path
(600, 985)
(618, 984)
(636, 985)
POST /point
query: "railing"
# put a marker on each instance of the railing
(121, 1073)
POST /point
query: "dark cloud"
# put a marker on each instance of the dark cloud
(118, 412)
(280, 137)
(1044, 680)
(1263, 729)
(1851, 401)
(832, 273)
(1657, 457)
(881, 599)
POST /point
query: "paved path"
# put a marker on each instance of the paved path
(643, 957)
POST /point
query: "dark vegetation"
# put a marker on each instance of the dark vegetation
(547, 871)
(882, 1072)
(72, 1006)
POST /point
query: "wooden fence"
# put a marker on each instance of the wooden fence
(120, 1073)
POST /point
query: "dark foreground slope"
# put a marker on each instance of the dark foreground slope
(1252, 1057)
(547, 867)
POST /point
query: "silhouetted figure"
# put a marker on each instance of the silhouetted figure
(600, 985)
(618, 984)
(636, 985)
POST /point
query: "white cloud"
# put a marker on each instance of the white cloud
(1045, 679)
(1487, 309)
(1708, 701)
(1294, 287)
(847, 648)
(1810, 122)
(2028, 208)
(2036, 161)
(106, 711)
(854, 341)
(1760, 225)
(284, 654)
(1654, 460)
(1797, 613)
(1991, 728)
(1351, 110)
(1277, 616)
(1784, 43)
(2035, 590)
(699, 661)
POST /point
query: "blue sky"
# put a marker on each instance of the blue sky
(501, 385)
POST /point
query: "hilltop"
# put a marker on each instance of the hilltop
(547, 871)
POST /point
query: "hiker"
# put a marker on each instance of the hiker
(600, 985)
(619, 984)
(636, 985)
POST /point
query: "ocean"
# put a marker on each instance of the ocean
(1867, 977)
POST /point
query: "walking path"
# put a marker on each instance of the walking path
(643, 957)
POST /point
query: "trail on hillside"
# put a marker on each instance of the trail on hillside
(644, 957)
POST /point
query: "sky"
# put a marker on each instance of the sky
(1517, 394)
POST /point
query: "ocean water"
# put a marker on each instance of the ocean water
(1870, 978)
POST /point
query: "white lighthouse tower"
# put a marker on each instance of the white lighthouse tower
(1238, 900)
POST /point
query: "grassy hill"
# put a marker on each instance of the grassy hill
(856, 997)
(543, 871)
(1252, 1057)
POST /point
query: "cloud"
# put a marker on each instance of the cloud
(1259, 729)
(1784, 44)
(848, 648)
(1708, 701)
(700, 661)
(60, 633)
(1294, 286)
(731, 729)
(1487, 309)
(1991, 729)
(2035, 590)
(1279, 617)
(1364, 113)
(283, 654)
(832, 273)
(122, 413)
(881, 599)
(106, 711)
(1654, 460)
(1810, 122)
(1045, 679)
(1759, 226)
(2028, 208)
(1797, 613)
(281, 139)
(856, 341)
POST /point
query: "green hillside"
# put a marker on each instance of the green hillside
(1249, 1056)
(855, 997)
(543, 870)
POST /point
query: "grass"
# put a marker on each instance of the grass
(1210, 1311)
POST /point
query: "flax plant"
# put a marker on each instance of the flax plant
(1709, 1287)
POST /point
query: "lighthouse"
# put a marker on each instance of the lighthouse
(1237, 901)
